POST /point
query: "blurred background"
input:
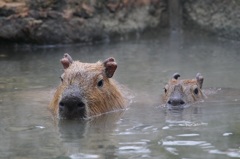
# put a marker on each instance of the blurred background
(87, 21)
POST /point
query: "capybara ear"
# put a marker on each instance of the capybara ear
(176, 76)
(110, 66)
(66, 60)
(200, 79)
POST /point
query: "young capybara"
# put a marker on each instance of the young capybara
(87, 90)
(179, 93)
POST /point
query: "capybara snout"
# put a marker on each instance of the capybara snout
(87, 89)
(72, 104)
(177, 98)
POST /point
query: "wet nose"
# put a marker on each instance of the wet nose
(176, 101)
(71, 101)
(71, 104)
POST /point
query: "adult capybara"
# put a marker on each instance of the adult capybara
(87, 89)
(179, 93)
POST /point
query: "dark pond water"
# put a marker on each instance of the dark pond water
(210, 129)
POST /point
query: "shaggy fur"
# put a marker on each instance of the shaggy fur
(85, 77)
(189, 90)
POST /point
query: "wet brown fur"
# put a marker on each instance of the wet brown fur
(187, 88)
(86, 76)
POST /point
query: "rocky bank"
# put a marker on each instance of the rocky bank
(72, 21)
(221, 17)
(84, 21)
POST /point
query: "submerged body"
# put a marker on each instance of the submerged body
(179, 93)
(87, 89)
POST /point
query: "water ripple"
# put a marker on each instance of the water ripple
(182, 143)
(133, 149)
(230, 152)
(184, 124)
(82, 156)
(188, 135)
(23, 128)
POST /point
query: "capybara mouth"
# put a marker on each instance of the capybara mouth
(175, 107)
(72, 115)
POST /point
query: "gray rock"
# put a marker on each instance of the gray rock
(221, 17)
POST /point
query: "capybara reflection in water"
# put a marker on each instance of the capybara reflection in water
(87, 89)
(179, 93)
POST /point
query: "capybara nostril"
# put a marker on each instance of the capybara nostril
(182, 102)
(176, 101)
(61, 106)
(169, 102)
(80, 105)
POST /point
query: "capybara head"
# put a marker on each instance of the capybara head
(87, 89)
(179, 93)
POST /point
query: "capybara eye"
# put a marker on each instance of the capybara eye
(61, 78)
(100, 83)
(165, 90)
(195, 91)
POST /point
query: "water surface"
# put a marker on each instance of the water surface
(210, 129)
